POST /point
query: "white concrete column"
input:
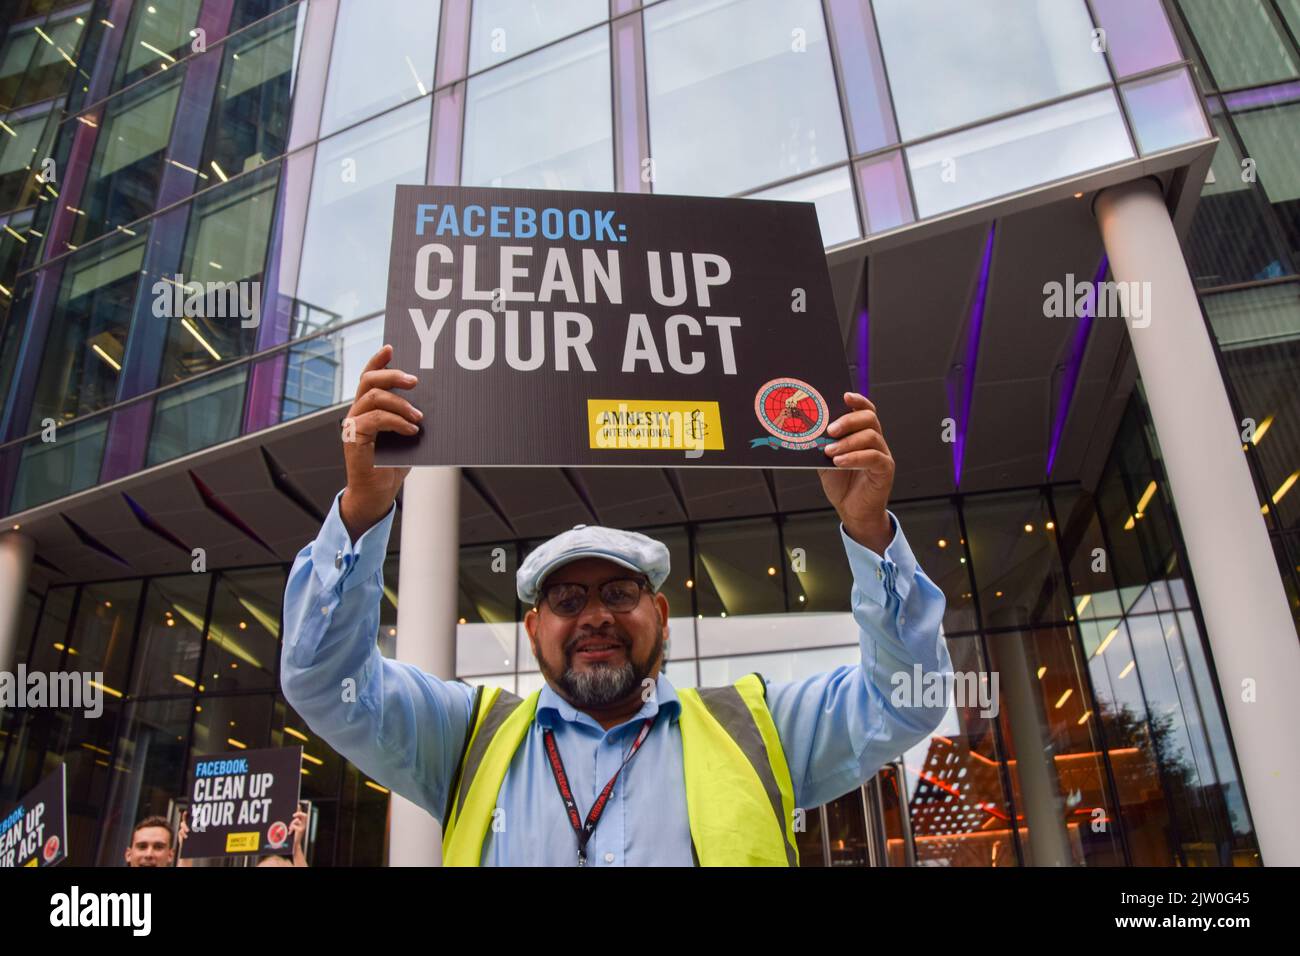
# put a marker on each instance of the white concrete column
(426, 626)
(1251, 633)
(16, 550)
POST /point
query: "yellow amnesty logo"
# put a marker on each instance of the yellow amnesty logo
(620, 423)
(243, 842)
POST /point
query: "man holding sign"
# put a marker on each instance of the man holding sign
(608, 764)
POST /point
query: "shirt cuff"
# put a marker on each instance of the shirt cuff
(878, 576)
(341, 563)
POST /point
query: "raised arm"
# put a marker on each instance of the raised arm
(399, 725)
(839, 728)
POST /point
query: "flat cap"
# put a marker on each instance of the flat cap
(631, 550)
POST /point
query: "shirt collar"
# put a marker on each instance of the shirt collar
(552, 708)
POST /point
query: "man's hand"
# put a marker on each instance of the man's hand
(859, 484)
(182, 831)
(299, 829)
(371, 491)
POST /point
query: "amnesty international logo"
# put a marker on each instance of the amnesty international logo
(639, 424)
(793, 412)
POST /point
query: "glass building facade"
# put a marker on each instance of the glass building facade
(259, 141)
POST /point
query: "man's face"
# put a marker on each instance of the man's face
(600, 657)
(150, 846)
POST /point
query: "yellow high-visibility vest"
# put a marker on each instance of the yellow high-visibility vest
(739, 794)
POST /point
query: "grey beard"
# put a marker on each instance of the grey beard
(599, 686)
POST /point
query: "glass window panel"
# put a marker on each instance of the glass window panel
(503, 29)
(197, 415)
(325, 370)
(832, 192)
(1258, 331)
(543, 121)
(817, 570)
(846, 829)
(224, 254)
(250, 116)
(150, 770)
(104, 631)
(243, 643)
(15, 58)
(1165, 110)
(246, 11)
(1054, 747)
(128, 162)
(49, 470)
(752, 633)
(809, 839)
(231, 722)
(1291, 12)
(955, 799)
(158, 36)
(52, 64)
(20, 144)
(1138, 36)
(738, 61)
(365, 804)
(486, 629)
(738, 570)
(862, 75)
(1018, 152)
(1240, 41)
(1135, 744)
(1016, 563)
(952, 62)
(349, 218)
(79, 375)
(171, 635)
(321, 766)
(1271, 140)
(383, 55)
(934, 534)
(84, 745)
(1091, 581)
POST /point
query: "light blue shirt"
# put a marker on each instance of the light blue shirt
(405, 728)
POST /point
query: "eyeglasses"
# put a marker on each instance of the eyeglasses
(619, 595)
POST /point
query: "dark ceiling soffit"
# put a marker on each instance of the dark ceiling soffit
(580, 489)
(90, 541)
(288, 487)
(218, 507)
(489, 499)
(149, 523)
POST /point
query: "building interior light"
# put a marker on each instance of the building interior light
(236, 743)
(1064, 697)
(105, 688)
(1145, 499)
(1083, 602)
(1130, 523)
(316, 760)
(294, 732)
(690, 583)
(153, 49)
(1285, 486)
(107, 358)
(181, 678)
(1101, 648)
(202, 341)
(771, 571)
(419, 84)
(1041, 671)
(1084, 718)
(1029, 529)
(1256, 438)
(1127, 669)
(943, 542)
(219, 171)
(374, 786)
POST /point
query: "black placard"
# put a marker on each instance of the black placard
(242, 802)
(34, 831)
(580, 328)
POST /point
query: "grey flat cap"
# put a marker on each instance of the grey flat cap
(631, 550)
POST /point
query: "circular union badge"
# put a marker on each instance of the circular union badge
(51, 849)
(276, 833)
(792, 410)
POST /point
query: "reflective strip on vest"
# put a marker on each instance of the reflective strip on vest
(739, 794)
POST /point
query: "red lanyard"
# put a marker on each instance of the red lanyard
(584, 830)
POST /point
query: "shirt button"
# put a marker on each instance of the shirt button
(609, 857)
(902, 619)
(880, 575)
(338, 560)
(324, 610)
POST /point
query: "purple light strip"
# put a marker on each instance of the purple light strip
(971, 355)
(1263, 96)
(1074, 364)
